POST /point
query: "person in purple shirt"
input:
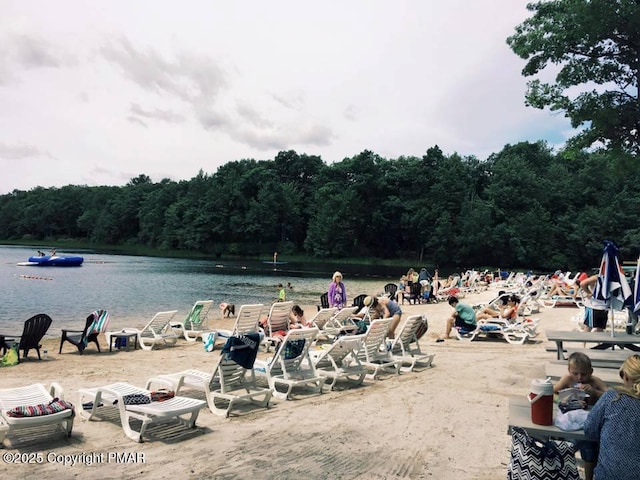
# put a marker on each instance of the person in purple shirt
(337, 292)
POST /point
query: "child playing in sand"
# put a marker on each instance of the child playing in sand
(581, 376)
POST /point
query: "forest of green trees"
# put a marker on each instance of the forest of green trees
(525, 206)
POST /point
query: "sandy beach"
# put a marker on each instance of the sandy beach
(444, 422)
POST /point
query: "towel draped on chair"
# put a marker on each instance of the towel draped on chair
(54, 406)
(162, 395)
(193, 318)
(100, 321)
(242, 349)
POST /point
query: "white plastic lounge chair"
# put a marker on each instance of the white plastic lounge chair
(323, 316)
(507, 282)
(228, 384)
(496, 301)
(195, 323)
(529, 303)
(247, 321)
(516, 332)
(406, 348)
(453, 289)
(157, 331)
(93, 400)
(340, 324)
(563, 301)
(32, 395)
(374, 355)
(291, 365)
(340, 360)
(277, 321)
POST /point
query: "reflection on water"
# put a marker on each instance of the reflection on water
(134, 288)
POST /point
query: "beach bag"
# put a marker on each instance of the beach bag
(293, 348)
(135, 399)
(532, 459)
(11, 358)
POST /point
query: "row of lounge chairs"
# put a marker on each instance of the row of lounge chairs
(236, 377)
(155, 332)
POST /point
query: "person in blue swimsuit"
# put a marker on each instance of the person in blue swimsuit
(391, 309)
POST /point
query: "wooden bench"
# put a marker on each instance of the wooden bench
(600, 338)
(551, 347)
(594, 364)
(603, 358)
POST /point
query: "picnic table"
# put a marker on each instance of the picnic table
(601, 339)
(520, 416)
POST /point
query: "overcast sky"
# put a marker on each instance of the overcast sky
(97, 92)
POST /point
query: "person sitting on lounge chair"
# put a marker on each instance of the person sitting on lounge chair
(297, 319)
(490, 312)
(561, 289)
(508, 310)
(404, 289)
(463, 317)
(511, 309)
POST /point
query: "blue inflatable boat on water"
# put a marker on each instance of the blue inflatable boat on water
(54, 261)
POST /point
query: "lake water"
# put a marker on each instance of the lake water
(134, 288)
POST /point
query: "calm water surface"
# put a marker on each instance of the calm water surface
(134, 288)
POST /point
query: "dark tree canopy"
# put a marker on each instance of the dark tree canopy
(593, 47)
(525, 206)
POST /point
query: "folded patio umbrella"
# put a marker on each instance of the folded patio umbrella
(612, 288)
(636, 290)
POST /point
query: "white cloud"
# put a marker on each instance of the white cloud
(19, 152)
(156, 113)
(106, 94)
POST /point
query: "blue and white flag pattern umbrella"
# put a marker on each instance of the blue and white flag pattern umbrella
(636, 290)
(612, 288)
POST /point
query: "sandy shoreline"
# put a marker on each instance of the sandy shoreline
(449, 421)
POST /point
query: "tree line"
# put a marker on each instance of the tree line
(525, 207)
